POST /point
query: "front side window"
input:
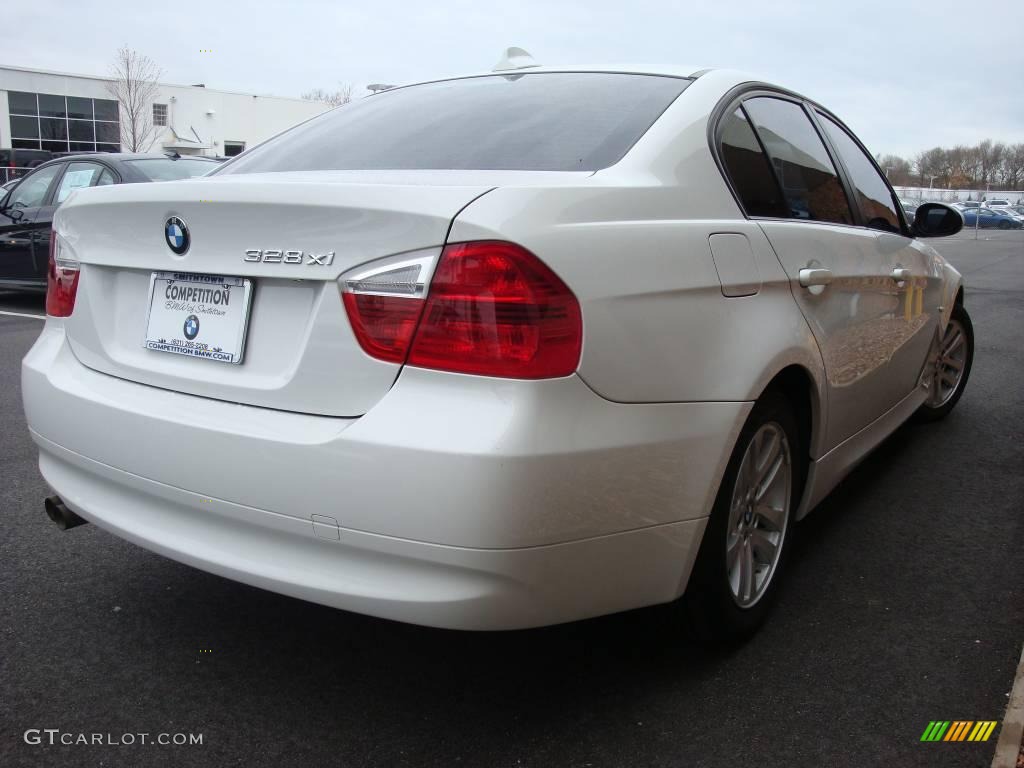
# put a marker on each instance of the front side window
(78, 174)
(31, 193)
(749, 168)
(874, 197)
(544, 121)
(809, 181)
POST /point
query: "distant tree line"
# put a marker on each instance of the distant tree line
(987, 165)
(335, 98)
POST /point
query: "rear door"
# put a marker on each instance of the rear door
(840, 277)
(18, 225)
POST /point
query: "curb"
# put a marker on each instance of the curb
(1012, 733)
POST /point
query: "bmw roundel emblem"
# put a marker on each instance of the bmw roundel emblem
(191, 327)
(176, 234)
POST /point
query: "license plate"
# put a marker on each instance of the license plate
(201, 316)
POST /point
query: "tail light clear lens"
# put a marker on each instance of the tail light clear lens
(493, 309)
(61, 281)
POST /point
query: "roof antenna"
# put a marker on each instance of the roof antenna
(515, 58)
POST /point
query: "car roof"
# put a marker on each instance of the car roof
(128, 172)
(688, 72)
(118, 156)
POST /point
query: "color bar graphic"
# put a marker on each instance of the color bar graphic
(959, 730)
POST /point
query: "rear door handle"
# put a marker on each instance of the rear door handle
(817, 276)
(901, 275)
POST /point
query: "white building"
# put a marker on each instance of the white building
(62, 112)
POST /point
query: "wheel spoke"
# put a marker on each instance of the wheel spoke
(746, 572)
(766, 454)
(949, 377)
(769, 477)
(766, 513)
(762, 548)
(953, 343)
(747, 473)
(732, 554)
(952, 362)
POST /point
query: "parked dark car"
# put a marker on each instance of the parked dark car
(988, 218)
(26, 210)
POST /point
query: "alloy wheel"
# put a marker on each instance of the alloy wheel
(758, 514)
(949, 365)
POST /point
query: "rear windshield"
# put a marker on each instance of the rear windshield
(169, 169)
(554, 121)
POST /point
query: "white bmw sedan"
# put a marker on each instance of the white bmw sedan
(497, 351)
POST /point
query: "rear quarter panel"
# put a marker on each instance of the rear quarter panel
(632, 242)
(657, 327)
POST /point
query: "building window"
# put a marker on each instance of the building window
(232, 148)
(63, 123)
(160, 114)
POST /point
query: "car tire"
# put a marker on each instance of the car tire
(735, 579)
(952, 367)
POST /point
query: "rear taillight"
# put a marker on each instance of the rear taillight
(493, 309)
(61, 281)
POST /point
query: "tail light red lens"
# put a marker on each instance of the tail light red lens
(493, 309)
(61, 282)
(384, 325)
(496, 309)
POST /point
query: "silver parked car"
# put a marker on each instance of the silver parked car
(498, 351)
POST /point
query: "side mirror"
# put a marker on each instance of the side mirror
(937, 220)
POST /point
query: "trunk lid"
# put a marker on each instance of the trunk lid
(300, 351)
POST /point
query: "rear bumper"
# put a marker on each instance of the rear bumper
(457, 501)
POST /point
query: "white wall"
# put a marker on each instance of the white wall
(236, 116)
(957, 195)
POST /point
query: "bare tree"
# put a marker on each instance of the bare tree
(990, 158)
(930, 165)
(335, 98)
(896, 169)
(1012, 170)
(134, 84)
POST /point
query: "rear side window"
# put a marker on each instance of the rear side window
(749, 169)
(805, 171)
(78, 174)
(170, 169)
(580, 121)
(874, 197)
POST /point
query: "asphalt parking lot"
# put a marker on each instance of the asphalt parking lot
(904, 604)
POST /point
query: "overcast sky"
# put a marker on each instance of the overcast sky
(901, 74)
